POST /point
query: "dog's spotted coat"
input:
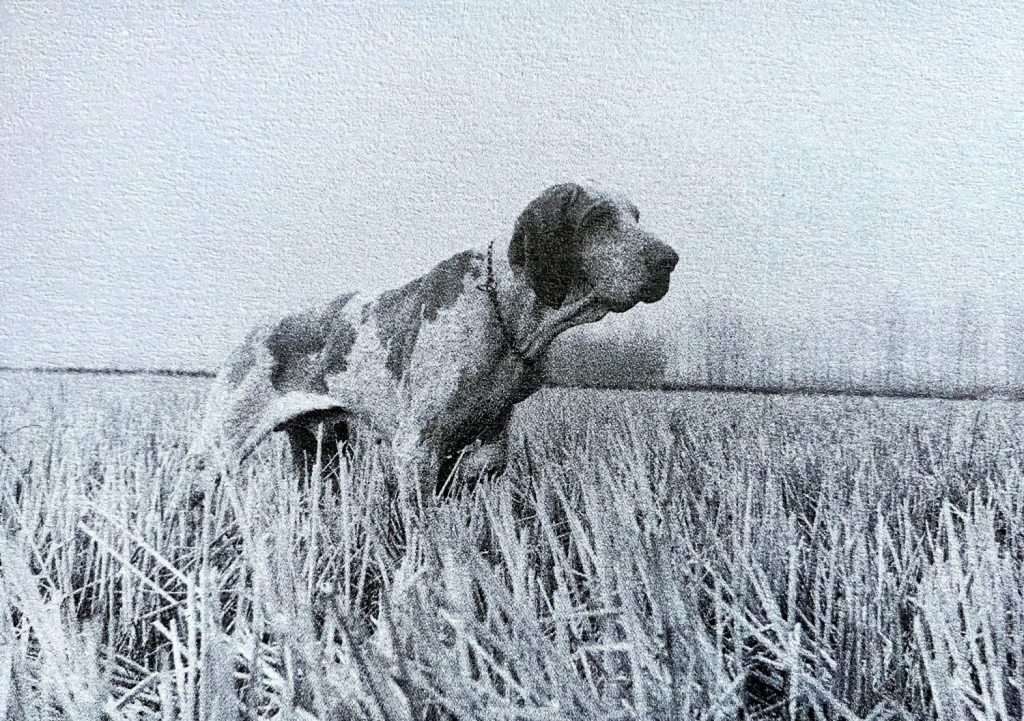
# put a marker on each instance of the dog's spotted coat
(438, 364)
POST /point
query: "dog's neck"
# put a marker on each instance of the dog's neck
(528, 324)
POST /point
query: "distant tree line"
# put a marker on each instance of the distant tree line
(636, 358)
(894, 348)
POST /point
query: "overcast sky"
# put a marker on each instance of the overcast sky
(167, 177)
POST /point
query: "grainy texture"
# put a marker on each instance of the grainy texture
(842, 184)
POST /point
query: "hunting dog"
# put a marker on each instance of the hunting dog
(436, 366)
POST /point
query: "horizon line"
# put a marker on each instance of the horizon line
(978, 393)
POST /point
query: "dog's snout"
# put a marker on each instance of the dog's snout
(671, 259)
(661, 257)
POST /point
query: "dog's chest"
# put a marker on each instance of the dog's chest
(479, 403)
(462, 374)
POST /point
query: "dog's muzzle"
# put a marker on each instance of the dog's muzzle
(660, 260)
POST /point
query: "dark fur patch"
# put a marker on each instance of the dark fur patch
(544, 241)
(400, 312)
(481, 421)
(307, 345)
(398, 323)
(341, 336)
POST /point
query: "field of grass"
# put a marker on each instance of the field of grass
(647, 556)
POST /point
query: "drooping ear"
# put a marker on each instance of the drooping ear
(544, 241)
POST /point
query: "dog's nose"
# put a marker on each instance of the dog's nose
(661, 257)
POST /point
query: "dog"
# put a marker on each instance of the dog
(436, 366)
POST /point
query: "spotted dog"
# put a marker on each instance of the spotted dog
(436, 366)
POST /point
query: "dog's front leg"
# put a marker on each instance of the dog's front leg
(484, 457)
(417, 464)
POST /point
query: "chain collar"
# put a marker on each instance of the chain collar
(490, 286)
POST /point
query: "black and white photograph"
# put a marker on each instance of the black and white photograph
(431, 361)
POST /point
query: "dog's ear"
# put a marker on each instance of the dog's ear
(544, 241)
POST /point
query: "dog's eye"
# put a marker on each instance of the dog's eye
(600, 216)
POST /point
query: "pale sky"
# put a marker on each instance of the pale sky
(168, 177)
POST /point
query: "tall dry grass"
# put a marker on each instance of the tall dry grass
(646, 556)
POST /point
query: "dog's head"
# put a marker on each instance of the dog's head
(575, 242)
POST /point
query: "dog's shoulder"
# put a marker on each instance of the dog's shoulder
(399, 315)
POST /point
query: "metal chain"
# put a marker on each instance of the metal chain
(491, 287)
